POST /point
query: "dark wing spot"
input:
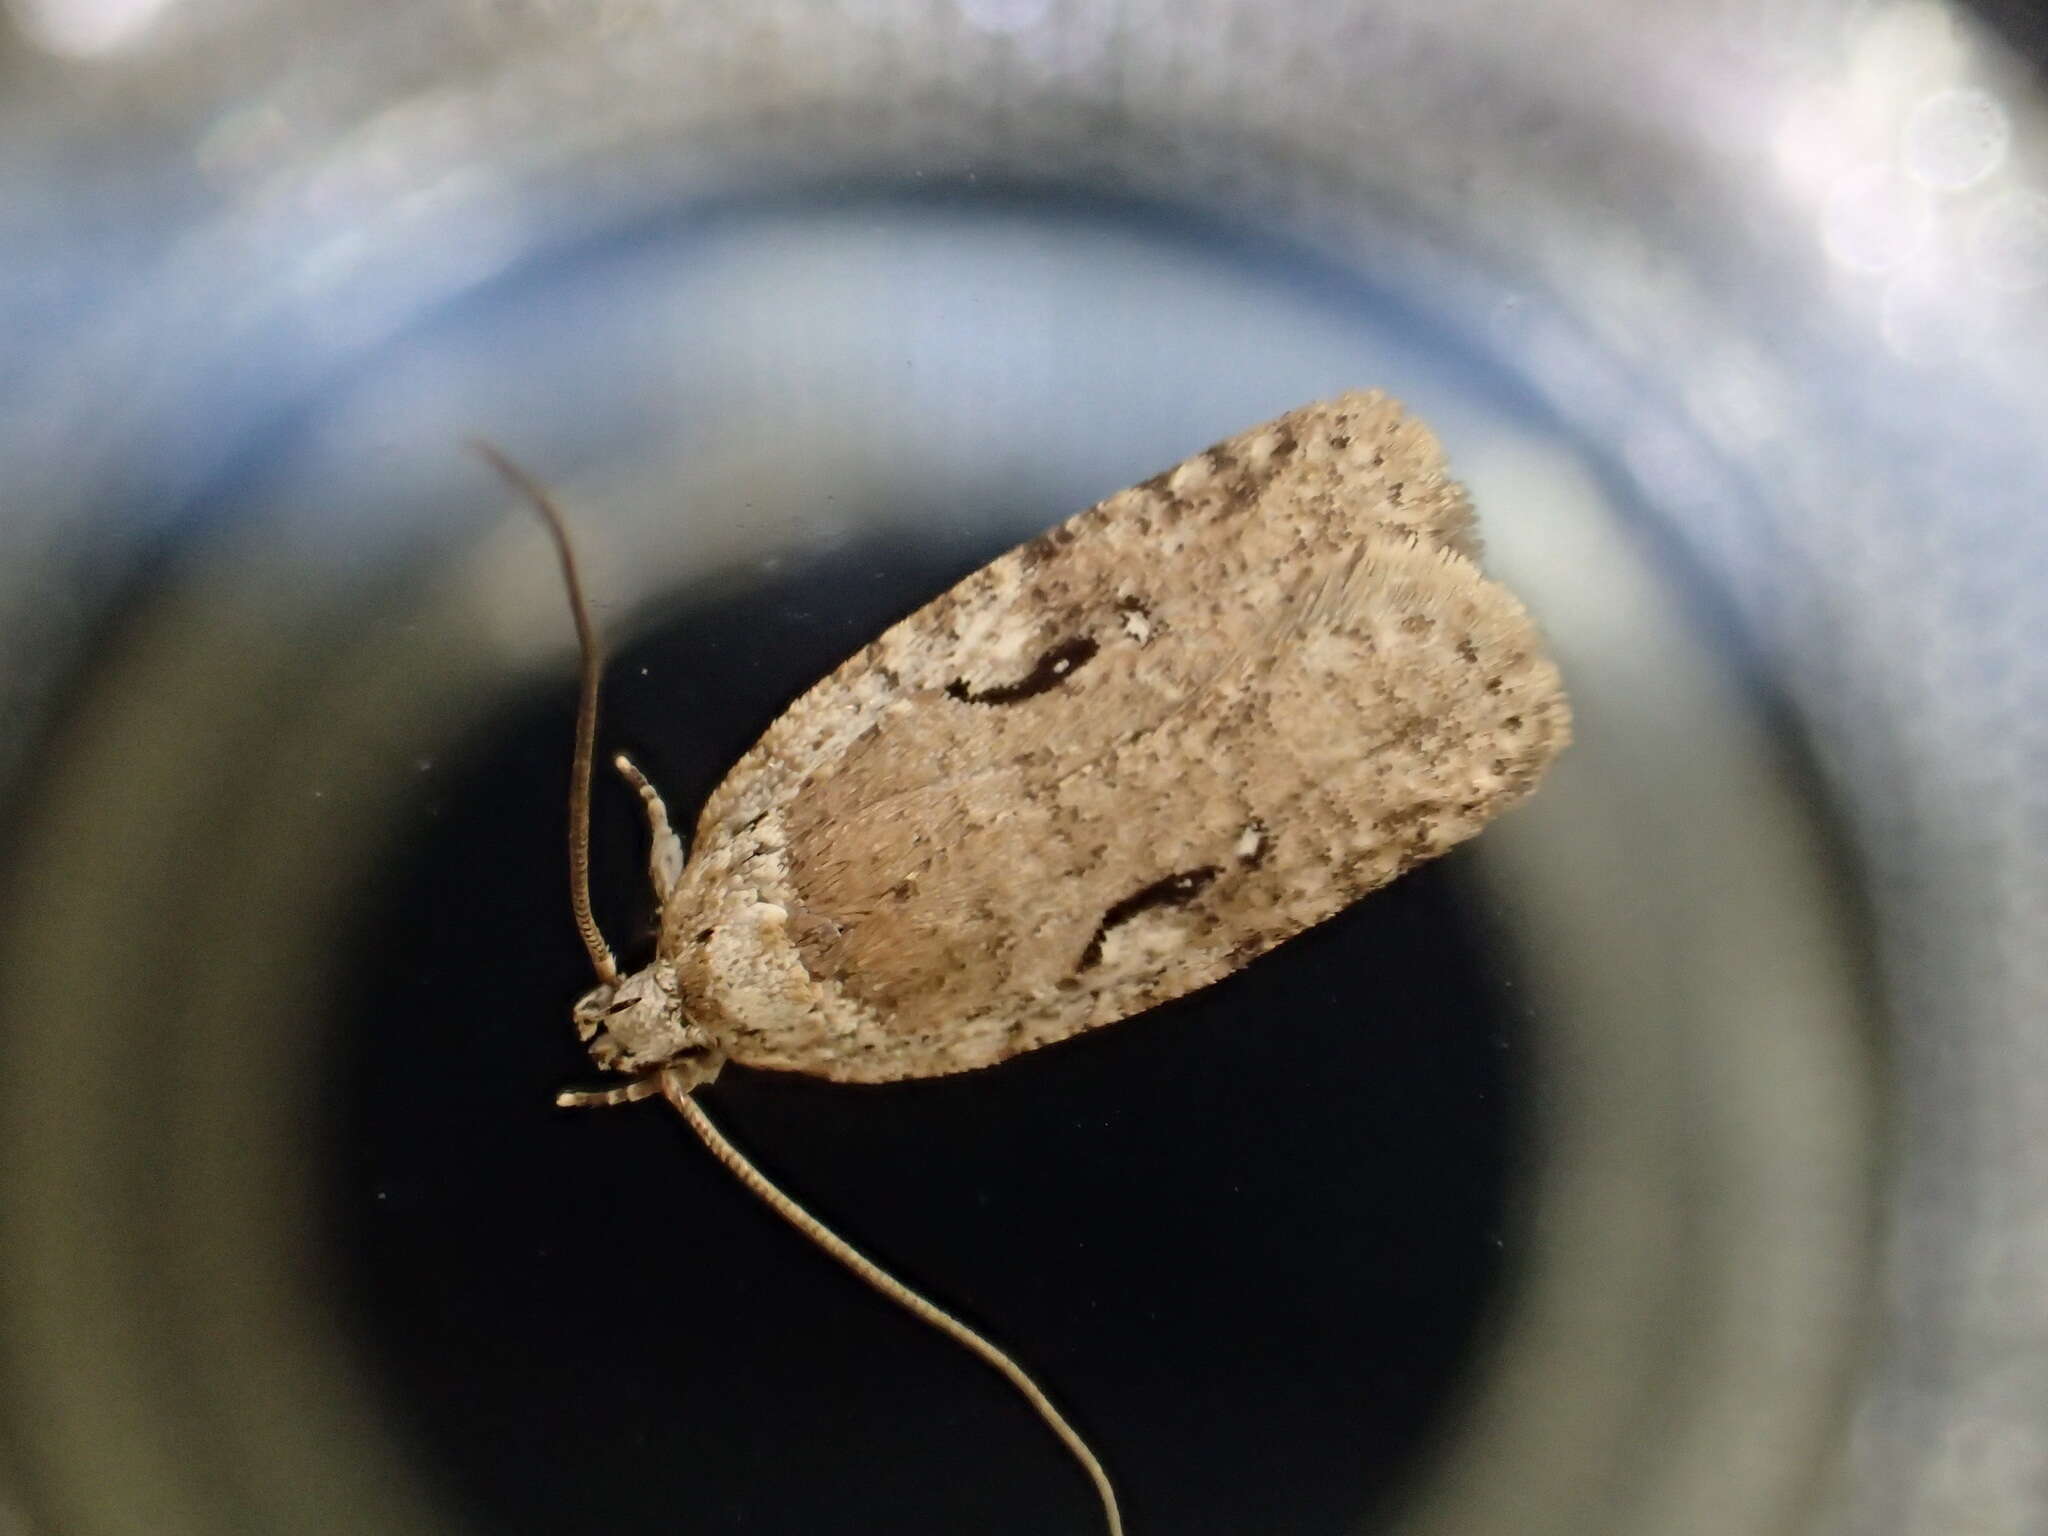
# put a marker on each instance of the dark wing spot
(1174, 891)
(1052, 669)
(1036, 552)
(1245, 951)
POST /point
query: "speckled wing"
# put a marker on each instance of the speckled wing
(1120, 761)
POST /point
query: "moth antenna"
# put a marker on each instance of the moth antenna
(926, 1311)
(586, 708)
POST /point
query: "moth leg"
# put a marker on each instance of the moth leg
(697, 1062)
(665, 853)
(604, 1098)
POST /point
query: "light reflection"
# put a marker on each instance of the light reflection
(1823, 135)
(2009, 242)
(1906, 50)
(1904, 165)
(81, 29)
(1954, 139)
(1875, 218)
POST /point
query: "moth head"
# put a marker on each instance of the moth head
(637, 1023)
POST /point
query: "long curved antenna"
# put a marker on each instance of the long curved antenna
(889, 1286)
(586, 710)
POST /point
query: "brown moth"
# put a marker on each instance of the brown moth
(1115, 764)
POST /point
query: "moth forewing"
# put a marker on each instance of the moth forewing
(1120, 761)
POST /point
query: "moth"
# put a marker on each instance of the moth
(1115, 764)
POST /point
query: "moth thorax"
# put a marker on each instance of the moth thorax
(638, 1024)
